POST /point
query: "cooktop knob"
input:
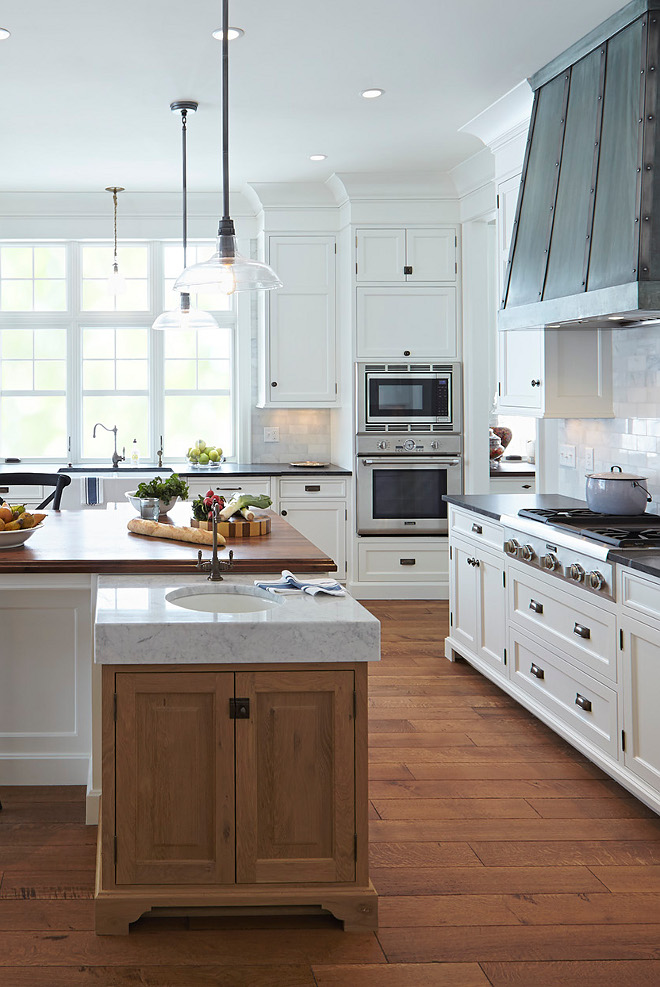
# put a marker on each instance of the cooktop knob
(527, 553)
(409, 445)
(596, 579)
(435, 444)
(383, 444)
(576, 572)
(511, 546)
(550, 561)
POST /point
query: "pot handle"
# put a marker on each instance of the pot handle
(618, 468)
(636, 483)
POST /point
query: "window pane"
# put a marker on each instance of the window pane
(180, 344)
(214, 343)
(96, 297)
(16, 296)
(16, 344)
(134, 298)
(180, 375)
(16, 262)
(213, 375)
(183, 415)
(129, 414)
(172, 261)
(33, 426)
(50, 296)
(132, 261)
(132, 375)
(50, 375)
(132, 343)
(50, 262)
(50, 344)
(99, 375)
(98, 343)
(16, 375)
(215, 302)
(96, 261)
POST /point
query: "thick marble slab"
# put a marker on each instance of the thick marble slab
(136, 624)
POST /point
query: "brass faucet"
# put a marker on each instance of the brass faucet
(216, 565)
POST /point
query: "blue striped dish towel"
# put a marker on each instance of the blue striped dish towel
(295, 584)
(93, 490)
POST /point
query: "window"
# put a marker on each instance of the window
(72, 354)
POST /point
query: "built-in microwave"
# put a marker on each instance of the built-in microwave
(415, 397)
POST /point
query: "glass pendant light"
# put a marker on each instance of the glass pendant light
(116, 283)
(227, 271)
(183, 316)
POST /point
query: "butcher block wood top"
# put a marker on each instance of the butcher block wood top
(97, 540)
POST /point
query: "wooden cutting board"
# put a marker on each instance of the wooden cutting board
(237, 527)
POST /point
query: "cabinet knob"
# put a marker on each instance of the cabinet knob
(536, 383)
(273, 383)
(283, 513)
(406, 352)
(408, 269)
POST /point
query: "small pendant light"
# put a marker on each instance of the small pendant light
(227, 271)
(183, 316)
(116, 283)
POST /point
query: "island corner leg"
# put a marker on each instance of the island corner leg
(358, 910)
(113, 918)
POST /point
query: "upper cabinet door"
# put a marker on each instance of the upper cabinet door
(380, 255)
(507, 198)
(299, 346)
(295, 778)
(521, 376)
(394, 323)
(431, 254)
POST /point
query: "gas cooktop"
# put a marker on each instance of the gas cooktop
(635, 531)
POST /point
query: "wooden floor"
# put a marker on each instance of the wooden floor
(502, 858)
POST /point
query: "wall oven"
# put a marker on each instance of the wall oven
(408, 397)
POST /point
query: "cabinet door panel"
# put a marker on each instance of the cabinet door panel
(324, 524)
(393, 320)
(492, 611)
(175, 778)
(520, 363)
(380, 255)
(640, 663)
(295, 778)
(464, 602)
(431, 254)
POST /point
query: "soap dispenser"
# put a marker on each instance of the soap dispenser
(135, 454)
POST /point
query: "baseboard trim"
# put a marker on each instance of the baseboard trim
(398, 591)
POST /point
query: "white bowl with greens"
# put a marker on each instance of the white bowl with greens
(168, 492)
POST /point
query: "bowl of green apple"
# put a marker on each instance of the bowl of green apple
(203, 456)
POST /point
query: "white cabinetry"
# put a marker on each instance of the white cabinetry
(555, 373)
(477, 601)
(229, 486)
(507, 199)
(316, 507)
(406, 255)
(298, 359)
(410, 320)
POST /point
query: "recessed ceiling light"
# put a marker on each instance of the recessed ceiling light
(317, 157)
(4, 34)
(232, 33)
(373, 93)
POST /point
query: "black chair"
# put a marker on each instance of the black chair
(57, 480)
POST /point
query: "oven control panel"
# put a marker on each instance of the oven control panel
(566, 562)
(409, 445)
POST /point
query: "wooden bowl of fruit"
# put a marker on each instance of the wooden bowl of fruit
(17, 525)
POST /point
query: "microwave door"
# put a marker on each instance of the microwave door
(408, 399)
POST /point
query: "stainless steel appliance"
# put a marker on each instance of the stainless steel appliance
(401, 482)
(408, 397)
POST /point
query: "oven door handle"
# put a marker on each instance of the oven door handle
(409, 460)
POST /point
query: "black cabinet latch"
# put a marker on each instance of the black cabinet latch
(407, 269)
(239, 709)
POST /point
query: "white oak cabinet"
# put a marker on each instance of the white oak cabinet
(298, 335)
(406, 321)
(478, 601)
(555, 374)
(406, 255)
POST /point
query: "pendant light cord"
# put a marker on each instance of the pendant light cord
(114, 203)
(226, 224)
(184, 172)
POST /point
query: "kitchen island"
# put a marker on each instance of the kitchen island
(48, 685)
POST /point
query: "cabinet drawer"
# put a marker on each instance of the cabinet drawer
(313, 486)
(512, 484)
(585, 632)
(639, 594)
(232, 485)
(480, 529)
(24, 494)
(389, 563)
(558, 687)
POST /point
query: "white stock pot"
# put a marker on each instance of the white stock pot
(617, 492)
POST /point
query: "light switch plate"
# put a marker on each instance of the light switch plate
(567, 456)
(272, 434)
(589, 459)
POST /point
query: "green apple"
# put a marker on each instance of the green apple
(202, 445)
(219, 452)
(195, 451)
(203, 459)
(213, 455)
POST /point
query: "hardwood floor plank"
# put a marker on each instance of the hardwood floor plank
(404, 830)
(609, 973)
(614, 853)
(453, 910)
(483, 880)
(402, 975)
(630, 878)
(488, 788)
(471, 754)
(562, 768)
(16, 813)
(389, 771)
(456, 808)
(9, 794)
(414, 740)
(623, 807)
(26, 834)
(585, 909)
(423, 855)
(472, 701)
(158, 976)
(36, 915)
(506, 943)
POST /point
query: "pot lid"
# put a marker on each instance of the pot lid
(616, 473)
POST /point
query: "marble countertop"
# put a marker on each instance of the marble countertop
(136, 624)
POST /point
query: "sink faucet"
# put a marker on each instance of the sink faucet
(116, 458)
(159, 453)
(216, 565)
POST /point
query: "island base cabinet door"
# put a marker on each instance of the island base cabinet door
(295, 778)
(463, 595)
(174, 778)
(641, 688)
(492, 611)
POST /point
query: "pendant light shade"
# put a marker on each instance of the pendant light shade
(227, 270)
(116, 283)
(183, 316)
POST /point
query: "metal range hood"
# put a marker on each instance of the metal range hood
(585, 248)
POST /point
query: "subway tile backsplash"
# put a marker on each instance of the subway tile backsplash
(632, 438)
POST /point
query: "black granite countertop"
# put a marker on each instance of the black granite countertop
(223, 469)
(512, 468)
(644, 560)
(495, 505)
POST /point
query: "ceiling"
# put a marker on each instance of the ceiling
(87, 85)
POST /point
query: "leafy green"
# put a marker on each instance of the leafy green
(174, 486)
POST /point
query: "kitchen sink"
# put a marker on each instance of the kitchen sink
(224, 599)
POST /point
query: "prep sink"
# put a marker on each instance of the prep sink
(223, 599)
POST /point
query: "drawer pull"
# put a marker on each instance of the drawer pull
(536, 607)
(220, 489)
(409, 561)
(583, 703)
(4, 489)
(582, 631)
(527, 486)
(538, 672)
(312, 487)
(478, 530)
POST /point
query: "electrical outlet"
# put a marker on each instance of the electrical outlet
(589, 459)
(567, 456)
(272, 434)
